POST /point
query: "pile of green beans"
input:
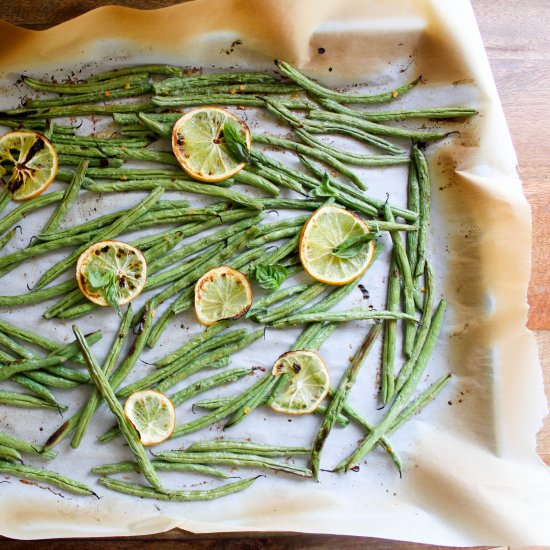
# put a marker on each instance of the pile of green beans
(184, 239)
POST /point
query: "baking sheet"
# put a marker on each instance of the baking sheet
(472, 476)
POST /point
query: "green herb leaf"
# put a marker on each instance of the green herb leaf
(105, 281)
(324, 189)
(271, 277)
(235, 143)
(351, 247)
(97, 278)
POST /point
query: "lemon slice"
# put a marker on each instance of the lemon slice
(152, 414)
(222, 293)
(198, 143)
(327, 228)
(33, 163)
(111, 273)
(309, 382)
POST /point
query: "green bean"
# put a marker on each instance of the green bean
(350, 197)
(239, 89)
(384, 116)
(159, 128)
(5, 199)
(170, 84)
(37, 388)
(101, 221)
(90, 97)
(27, 207)
(318, 127)
(63, 111)
(47, 379)
(403, 396)
(233, 459)
(288, 308)
(246, 446)
(292, 204)
(25, 447)
(179, 185)
(128, 430)
(115, 228)
(352, 158)
(14, 399)
(422, 332)
(390, 327)
(85, 87)
(219, 413)
(383, 441)
(89, 141)
(205, 242)
(132, 173)
(96, 162)
(45, 476)
(277, 255)
(87, 411)
(11, 261)
(253, 402)
(340, 397)
(208, 383)
(55, 358)
(258, 181)
(32, 362)
(65, 429)
(311, 152)
(424, 209)
(376, 128)
(200, 99)
(260, 305)
(215, 403)
(212, 343)
(274, 176)
(204, 361)
(143, 491)
(353, 314)
(408, 287)
(345, 97)
(8, 454)
(115, 432)
(419, 402)
(413, 203)
(7, 237)
(7, 371)
(193, 343)
(170, 70)
(28, 336)
(16, 348)
(159, 465)
(137, 347)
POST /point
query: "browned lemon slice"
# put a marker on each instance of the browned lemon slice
(152, 414)
(111, 273)
(327, 228)
(222, 293)
(32, 160)
(309, 382)
(199, 145)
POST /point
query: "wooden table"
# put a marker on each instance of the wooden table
(518, 45)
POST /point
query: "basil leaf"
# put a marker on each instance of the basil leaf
(110, 293)
(324, 189)
(271, 277)
(351, 247)
(97, 278)
(236, 145)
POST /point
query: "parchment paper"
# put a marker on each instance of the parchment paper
(472, 476)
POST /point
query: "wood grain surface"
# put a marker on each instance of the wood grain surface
(518, 45)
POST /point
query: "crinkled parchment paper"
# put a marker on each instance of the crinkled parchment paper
(472, 476)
